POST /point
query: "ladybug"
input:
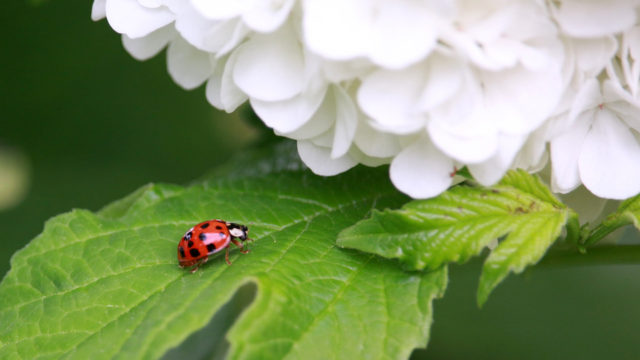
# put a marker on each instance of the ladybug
(208, 238)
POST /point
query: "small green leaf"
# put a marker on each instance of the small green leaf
(627, 213)
(525, 245)
(107, 285)
(461, 222)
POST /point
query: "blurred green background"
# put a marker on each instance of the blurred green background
(93, 124)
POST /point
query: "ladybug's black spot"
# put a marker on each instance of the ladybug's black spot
(188, 236)
(218, 227)
(190, 243)
(204, 226)
(194, 252)
(202, 236)
(181, 251)
(211, 248)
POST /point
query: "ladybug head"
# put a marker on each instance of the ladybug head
(238, 231)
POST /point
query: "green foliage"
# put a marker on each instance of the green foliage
(630, 210)
(461, 222)
(107, 284)
(627, 213)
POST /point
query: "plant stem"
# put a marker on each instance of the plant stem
(573, 229)
(595, 256)
(605, 228)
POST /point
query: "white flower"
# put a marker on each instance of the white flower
(594, 18)
(258, 15)
(390, 33)
(14, 177)
(601, 148)
(426, 86)
(625, 70)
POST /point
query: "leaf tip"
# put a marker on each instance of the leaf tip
(484, 290)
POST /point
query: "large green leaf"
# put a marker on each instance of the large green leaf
(107, 285)
(461, 222)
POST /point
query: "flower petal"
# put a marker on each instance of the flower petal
(212, 90)
(491, 171)
(225, 37)
(469, 141)
(98, 10)
(147, 47)
(376, 143)
(324, 140)
(592, 55)
(334, 28)
(392, 33)
(618, 100)
(346, 122)
(509, 102)
(266, 16)
(339, 71)
(188, 66)
(221, 91)
(446, 82)
(533, 155)
(390, 98)
(581, 18)
(288, 115)
(192, 26)
(222, 9)
(421, 170)
(365, 159)
(130, 18)
(608, 162)
(588, 98)
(404, 32)
(319, 159)
(319, 124)
(565, 150)
(270, 67)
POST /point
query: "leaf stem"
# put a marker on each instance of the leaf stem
(605, 228)
(595, 256)
(573, 229)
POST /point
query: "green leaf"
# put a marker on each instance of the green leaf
(461, 222)
(107, 285)
(630, 210)
(627, 213)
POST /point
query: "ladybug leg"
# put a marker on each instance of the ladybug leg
(196, 267)
(240, 245)
(226, 256)
(200, 262)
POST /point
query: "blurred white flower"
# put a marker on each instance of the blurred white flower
(14, 177)
(426, 86)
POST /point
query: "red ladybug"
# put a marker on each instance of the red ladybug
(208, 238)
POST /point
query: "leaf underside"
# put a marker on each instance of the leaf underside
(107, 285)
(463, 221)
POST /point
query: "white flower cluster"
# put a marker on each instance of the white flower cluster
(429, 86)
